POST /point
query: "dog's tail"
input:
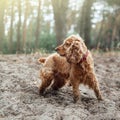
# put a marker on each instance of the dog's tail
(41, 60)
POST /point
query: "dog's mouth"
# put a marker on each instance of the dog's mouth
(59, 51)
(63, 55)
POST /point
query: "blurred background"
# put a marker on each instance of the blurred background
(40, 25)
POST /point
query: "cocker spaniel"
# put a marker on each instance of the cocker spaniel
(54, 72)
(82, 65)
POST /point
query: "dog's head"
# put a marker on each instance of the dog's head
(66, 44)
(73, 48)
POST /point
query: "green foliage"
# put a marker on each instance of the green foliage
(47, 42)
(5, 47)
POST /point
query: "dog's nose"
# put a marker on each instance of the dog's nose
(56, 49)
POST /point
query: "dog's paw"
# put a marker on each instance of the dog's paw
(100, 98)
(76, 99)
(41, 92)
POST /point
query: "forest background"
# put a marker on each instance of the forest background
(40, 25)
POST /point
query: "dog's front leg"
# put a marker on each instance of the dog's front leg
(93, 83)
(76, 92)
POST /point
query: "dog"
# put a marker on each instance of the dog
(81, 65)
(54, 72)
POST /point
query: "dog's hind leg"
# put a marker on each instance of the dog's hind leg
(46, 76)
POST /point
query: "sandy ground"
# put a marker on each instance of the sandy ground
(19, 98)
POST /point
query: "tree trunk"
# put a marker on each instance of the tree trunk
(2, 8)
(60, 9)
(38, 25)
(24, 26)
(19, 27)
(11, 27)
(85, 21)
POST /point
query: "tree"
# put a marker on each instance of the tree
(38, 24)
(2, 9)
(19, 27)
(11, 27)
(60, 10)
(24, 34)
(85, 21)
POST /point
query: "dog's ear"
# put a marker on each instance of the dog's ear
(41, 60)
(75, 52)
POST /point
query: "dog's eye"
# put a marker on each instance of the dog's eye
(67, 44)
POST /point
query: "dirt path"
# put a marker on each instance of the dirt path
(19, 99)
